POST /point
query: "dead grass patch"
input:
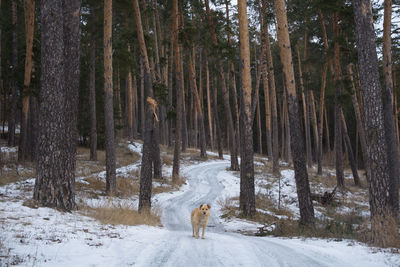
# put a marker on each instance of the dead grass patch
(167, 160)
(168, 185)
(125, 186)
(12, 173)
(116, 214)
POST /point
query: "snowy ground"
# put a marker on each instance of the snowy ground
(47, 237)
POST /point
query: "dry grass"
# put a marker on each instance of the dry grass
(167, 160)
(126, 187)
(12, 173)
(115, 214)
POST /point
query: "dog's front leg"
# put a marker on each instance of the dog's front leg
(197, 231)
(204, 230)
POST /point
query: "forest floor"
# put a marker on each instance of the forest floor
(108, 231)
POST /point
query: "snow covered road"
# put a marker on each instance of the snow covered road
(46, 237)
(220, 248)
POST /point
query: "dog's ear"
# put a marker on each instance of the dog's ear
(200, 205)
(209, 206)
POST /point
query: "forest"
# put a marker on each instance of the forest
(310, 86)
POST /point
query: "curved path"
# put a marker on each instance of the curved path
(178, 248)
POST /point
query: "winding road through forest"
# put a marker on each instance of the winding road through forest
(220, 248)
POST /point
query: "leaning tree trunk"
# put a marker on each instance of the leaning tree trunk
(350, 151)
(150, 133)
(301, 176)
(111, 184)
(360, 124)
(29, 12)
(247, 195)
(305, 113)
(391, 139)
(379, 186)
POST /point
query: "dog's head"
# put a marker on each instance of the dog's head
(205, 209)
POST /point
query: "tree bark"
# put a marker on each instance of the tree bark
(14, 86)
(29, 12)
(271, 79)
(111, 183)
(301, 176)
(197, 101)
(247, 194)
(210, 122)
(321, 118)
(338, 109)
(360, 124)
(264, 65)
(305, 113)
(92, 89)
(216, 118)
(129, 100)
(379, 186)
(179, 108)
(150, 138)
(350, 152)
(60, 40)
(390, 129)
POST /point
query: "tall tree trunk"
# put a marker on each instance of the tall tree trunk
(360, 124)
(305, 112)
(390, 130)
(271, 79)
(72, 52)
(197, 101)
(135, 107)
(301, 176)
(338, 109)
(313, 114)
(379, 186)
(150, 138)
(247, 195)
(129, 100)
(92, 91)
(328, 143)
(259, 128)
(231, 129)
(29, 12)
(14, 96)
(111, 184)
(264, 65)
(60, 40)
(185, 139)
(350, 151)
(178, 129)
(210, 122)
(216, 118)
(142, 104)
(321, 117)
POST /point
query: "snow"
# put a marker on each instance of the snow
(48, 237)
